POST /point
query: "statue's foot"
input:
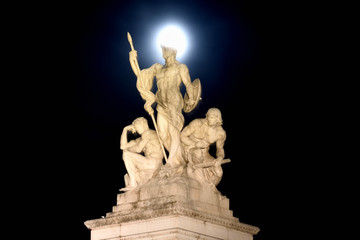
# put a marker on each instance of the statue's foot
(167, 166)
(125, 189)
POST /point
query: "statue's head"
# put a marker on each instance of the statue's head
(213, 117)
(140, 124)
(168, 51)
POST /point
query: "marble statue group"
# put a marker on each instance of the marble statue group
(173, 170)
(172, 149)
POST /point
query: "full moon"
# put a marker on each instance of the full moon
(172, 36)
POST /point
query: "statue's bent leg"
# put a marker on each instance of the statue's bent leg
(132, 163)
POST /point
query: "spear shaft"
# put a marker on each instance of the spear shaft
(141, 80)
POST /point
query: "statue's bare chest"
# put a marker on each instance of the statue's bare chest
(207, 134)
(167, 73)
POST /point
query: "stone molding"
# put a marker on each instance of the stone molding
(178, 234)
(171, 211)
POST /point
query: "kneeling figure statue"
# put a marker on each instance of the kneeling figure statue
(197, 137)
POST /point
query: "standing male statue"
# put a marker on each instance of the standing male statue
(169, 99)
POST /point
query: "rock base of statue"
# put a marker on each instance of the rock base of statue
(172, 208)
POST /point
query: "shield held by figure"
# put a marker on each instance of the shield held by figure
(196, 96)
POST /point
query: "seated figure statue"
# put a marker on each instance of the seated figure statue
(197, 138)
(142, 156)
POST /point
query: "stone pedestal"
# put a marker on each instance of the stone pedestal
(176, 208)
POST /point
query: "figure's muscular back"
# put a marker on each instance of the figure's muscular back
(152, 147)
(200, 130)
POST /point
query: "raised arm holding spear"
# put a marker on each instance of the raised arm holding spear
(145, 93)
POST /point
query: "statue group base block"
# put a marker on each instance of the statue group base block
(176, 208)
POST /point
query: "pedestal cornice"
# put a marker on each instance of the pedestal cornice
(170, 211)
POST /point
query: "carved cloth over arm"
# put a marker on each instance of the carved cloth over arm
(144, 85)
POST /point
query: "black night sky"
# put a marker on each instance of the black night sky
(246, 56)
